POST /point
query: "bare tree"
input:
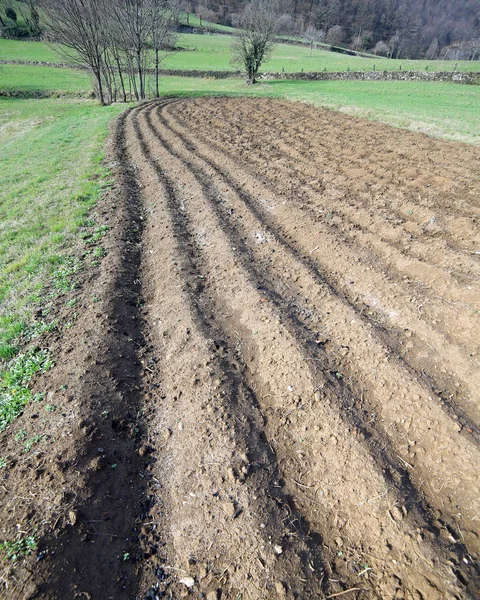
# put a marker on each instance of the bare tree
(255, 41)
(77, 26)
(286, 23)
(335, 35)
(381, 48)
(313, 36)
(204, 14)
(165, 14)
(134, 23)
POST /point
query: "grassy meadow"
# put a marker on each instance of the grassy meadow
(30, 80)
(50, 178)
(213, 52)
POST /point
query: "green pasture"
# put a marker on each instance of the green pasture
(32, 79)
(50, 178)
(195, 22)
(212, 52)
(445, 110)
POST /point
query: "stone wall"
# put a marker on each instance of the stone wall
(468, 78)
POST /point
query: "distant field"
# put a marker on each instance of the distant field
(31, 79)
(46, 193)
(444, 110)
(195, 22)
(212, 52)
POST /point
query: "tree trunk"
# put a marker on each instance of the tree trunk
(120, 74)
(98, 76)
(140, 76)
(157, 90)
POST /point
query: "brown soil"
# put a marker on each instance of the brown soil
(276, 395)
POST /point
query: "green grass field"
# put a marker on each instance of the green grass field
(49, 152)
(31, 80)
(445, 110)
(195, 22)
(212, 52)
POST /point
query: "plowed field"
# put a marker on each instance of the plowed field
(290, 324)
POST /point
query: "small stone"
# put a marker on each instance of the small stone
(143, 451)
(73, 517)
(188, 581)
(281, 589)
(277, 549)
(229, 509)
(97, 464)
(180, 426)
(396, 513)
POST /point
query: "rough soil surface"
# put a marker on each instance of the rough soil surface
(276, 395)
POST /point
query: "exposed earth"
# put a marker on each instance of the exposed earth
(274, 393)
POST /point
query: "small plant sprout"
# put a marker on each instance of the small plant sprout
(98, 252)
(32, 441)
(50, 407)
(21, 435)
(3, 462)
(18, 549)
(126, 556)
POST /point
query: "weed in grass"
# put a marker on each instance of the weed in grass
(50, 408)
(99, 252)
(32, 441)
(14, 391)
(96, 236)
(38, 328)
(18, 549)
(21, 435)
(62, 276)
(3, 462)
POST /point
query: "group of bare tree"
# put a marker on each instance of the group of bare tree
(121, 41)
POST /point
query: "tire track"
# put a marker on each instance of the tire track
(468, 411)
(213, 274)
(257, 541)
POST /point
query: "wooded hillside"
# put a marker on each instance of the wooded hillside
(397, 28)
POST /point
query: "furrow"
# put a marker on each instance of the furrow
(213, 461)
(340, 212)
(334, 457)
(407, 339)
